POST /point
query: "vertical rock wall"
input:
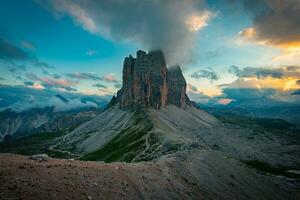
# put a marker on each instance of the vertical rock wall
(148, 82)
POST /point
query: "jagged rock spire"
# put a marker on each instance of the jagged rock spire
(148, 82)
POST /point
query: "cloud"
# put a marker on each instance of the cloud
(297, 92)
(59, 84)
(298, 82)
(266, 97)
(212, 54)
(21, 98)
(85, 76)
(99, 85)
(11, 52)
(117, 85)
(45, 72)
(138, 21)
(19, 58)
(41, 64)
(205, 100)
(192, 88)
(275, 23)
(263, 72)
(209, 74)
(29, 83)
(258, 87)
(91, 53)
(284, 77)
(110, 78)
(56, 76)
(241, 83)
(28, 45)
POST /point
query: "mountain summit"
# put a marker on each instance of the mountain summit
(148, 82)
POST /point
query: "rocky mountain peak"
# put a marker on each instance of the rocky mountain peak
(148, 82)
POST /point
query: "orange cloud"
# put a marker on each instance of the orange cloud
(196, 22)
(225, 101)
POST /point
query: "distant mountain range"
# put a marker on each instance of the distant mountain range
(259, 109)
(60, 113)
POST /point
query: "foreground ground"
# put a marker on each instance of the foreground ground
(197, 174)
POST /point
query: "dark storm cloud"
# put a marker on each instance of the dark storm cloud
(164, 25)
(209, 74)
(261, 72)
(276, 22)
(298, 82)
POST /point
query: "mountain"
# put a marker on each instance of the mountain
(163, 146)
(151, 116)
(141, 121)
(16, 124)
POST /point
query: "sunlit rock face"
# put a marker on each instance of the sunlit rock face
(148, 82)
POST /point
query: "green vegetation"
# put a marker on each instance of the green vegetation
(34, 144)
(277, 124)
(267, 168)
(277, 127)
(127, 145)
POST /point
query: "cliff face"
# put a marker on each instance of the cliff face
(148, 82)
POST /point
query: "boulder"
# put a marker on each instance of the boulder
(39, 157)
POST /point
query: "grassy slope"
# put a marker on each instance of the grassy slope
(128, 144)
(34, 144)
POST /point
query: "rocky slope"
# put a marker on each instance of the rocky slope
(190, 174)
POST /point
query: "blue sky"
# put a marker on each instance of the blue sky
(75, 37)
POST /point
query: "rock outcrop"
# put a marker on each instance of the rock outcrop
(148, 82)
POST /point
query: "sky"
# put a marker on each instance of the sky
(74, 46)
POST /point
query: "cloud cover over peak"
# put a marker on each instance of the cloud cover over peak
(167, 25)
